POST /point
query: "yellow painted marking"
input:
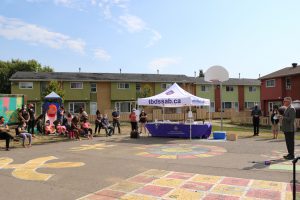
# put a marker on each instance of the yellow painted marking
(142, 153)
(85, 147)
(182, 194)
(202, 155)
(137, 197)
(206, 179)
(229, 190)
(155, 173)
(168, 156)
(168, 182)
(27, 171)
(177, 149)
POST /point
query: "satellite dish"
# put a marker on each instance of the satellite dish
(216, 73)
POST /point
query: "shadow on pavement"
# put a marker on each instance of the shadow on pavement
(262, 165)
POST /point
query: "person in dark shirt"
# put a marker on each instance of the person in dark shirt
(31, 121)
(256, 113)
(4, 133)
(116, 120)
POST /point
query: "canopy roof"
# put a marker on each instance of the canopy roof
(52, 95)
(174, 96)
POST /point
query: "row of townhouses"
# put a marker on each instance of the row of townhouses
(105, 91)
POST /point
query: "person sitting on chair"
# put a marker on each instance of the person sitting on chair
(4, 132)
(23, 133)
(105, 124)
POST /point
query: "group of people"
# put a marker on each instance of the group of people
(287, 115)
(136, 117)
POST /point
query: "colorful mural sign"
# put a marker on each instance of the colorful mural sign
(8, 107)
(27, 171)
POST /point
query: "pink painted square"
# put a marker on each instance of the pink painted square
(264, 194)
(235, 181)
(289, 187)
(178, 175)
(197, 186)
(220, 197)
(107, 194)
(153, 190)
(142, 179)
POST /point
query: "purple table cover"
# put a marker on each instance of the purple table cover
(179, 130)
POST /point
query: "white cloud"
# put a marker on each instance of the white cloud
(132, 23)
(163, 63)
(101, 54)
(15, 29)
(155, 37)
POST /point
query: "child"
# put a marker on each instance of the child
(49, 129)
(60, 128)
(86, 126)
(74, 127)
(22, 129)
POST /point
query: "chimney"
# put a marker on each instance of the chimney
(79, 69)
(158, 71)
(294, 65)
(239, 75)
(194, 74)
(120, 71)
(258, 75)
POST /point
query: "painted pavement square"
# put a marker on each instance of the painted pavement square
(168, 185)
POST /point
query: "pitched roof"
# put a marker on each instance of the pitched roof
(287, 71)
(230, 81)
(97, 77)
(115, 77)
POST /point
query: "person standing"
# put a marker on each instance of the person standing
(288, 127)
(31, 121)
(116, 120)
(256, 113)
(98, 123)
(275, 121)
(133, 120)
(23, 115)
(143, 121)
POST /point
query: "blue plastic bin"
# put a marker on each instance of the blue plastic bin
(219, 135)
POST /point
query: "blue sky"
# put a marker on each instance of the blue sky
(249, 37)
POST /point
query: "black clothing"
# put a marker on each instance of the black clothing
(256, 113)
(116, 121)
(7, 137)
(134, 126)
(289, 140)
(31, 121)
(143, 118)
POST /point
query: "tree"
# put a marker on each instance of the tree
(53, 86)
(145, 92)
(8, 68)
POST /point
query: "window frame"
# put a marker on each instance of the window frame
(25, 88)
(165, 86)
(288, 86)
(124, 86)
(206, 88)
(229, 88)
(252, 88)
(96, 106)
(76, 88)
(75, 102)
(93, 87)
(268, 81)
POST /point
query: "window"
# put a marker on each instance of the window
(229, 88)
(26, 85)
(229, 105)
(165, 85)
(270, 83)
(124, 106)
(250, 105)
(212, 106)
(93, 87)
(138, 87)
(288, 83)
(74, 106)
(76, 85)
(252, 89)
(93, 108)
(204, 88)
(123, 85)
